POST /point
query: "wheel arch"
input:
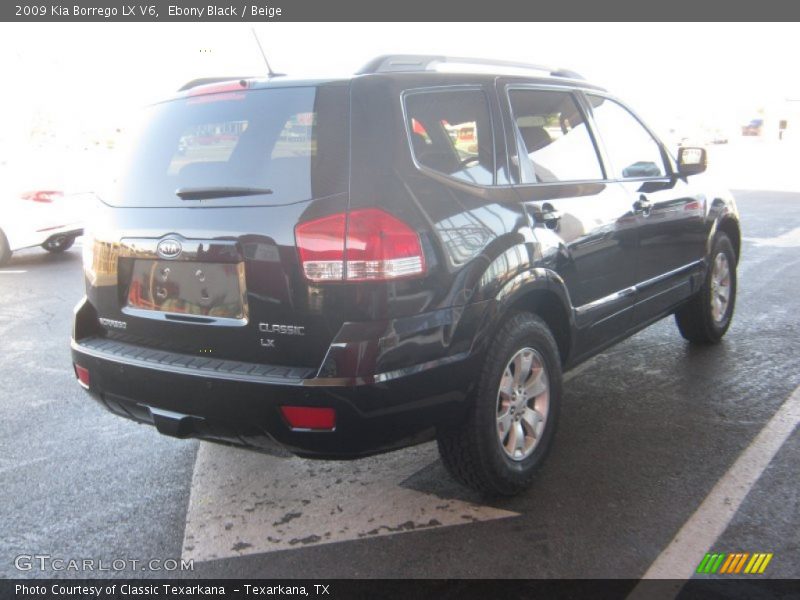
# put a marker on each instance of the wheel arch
(543, 293)
(549, 307)
(730, 226)
(725, 218)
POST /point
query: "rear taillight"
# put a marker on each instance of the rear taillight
(321, 246)
(45, 196)
(365, 245)
(82, 373)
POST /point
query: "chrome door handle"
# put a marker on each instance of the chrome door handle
(642, 206)
(550, 217)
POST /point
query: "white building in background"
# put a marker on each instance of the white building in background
(789, 120)
(781, 120)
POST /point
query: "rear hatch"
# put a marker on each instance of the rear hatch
(194, 250)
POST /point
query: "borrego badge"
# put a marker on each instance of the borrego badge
(112, 323)
(169, 248)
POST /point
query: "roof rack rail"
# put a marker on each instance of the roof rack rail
(207, 80)
(395, 63)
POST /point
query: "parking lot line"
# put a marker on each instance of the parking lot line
(247, 503)
(11, 272)
(789, 239)
(679, 559)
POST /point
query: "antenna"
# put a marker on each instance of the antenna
(270, 72)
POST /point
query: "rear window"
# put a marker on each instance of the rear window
(292, 141)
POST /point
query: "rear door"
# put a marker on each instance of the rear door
(583, 222)
(669, 211)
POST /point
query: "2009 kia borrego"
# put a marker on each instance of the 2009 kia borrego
(345, 267)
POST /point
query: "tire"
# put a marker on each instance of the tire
(705, 318)
(59, 244)
(474, 451)
(5, 250)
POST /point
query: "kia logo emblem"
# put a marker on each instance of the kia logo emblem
(169, 248)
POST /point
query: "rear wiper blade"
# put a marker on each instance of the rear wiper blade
(206, 193)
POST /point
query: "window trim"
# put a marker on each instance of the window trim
(450, 88)
(574, 94)
(669, 170)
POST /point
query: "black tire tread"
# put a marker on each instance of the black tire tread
(62, 248)
(5, 251)
(460, 448)
(694, 319)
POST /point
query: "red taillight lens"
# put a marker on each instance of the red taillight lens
(321, 246)
(378, 247)
(309, 417)
(82, 373)
(42, 195)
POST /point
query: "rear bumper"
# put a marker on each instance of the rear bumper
(21, 240)
(61, 232)
(239, 403)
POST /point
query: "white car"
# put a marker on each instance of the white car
(35, 208)
(38, 218)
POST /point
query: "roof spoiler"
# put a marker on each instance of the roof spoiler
(207, 80)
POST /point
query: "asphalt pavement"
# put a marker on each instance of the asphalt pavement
(649, 429)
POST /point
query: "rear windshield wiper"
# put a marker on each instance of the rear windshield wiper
(206, 193)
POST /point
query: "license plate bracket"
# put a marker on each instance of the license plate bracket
(214, 290)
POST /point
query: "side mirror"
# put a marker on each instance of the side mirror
(692, 161)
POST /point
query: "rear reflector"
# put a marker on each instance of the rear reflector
(309, 417)
(82, 373)
(364, 245)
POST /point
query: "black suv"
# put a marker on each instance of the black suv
(343, 267)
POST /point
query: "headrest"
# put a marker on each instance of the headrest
(535, 138)
(418, 142)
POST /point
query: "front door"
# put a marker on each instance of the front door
(669, 213)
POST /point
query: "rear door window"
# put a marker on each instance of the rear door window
(291, 141)
(553, 139)
(451, 133)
